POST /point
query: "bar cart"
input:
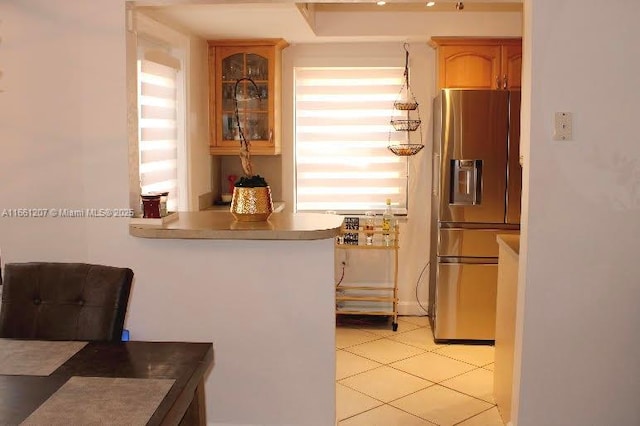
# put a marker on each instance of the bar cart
(376, 300)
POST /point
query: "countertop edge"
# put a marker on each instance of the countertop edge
(214, 225)
(230, 234)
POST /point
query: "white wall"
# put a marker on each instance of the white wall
(411, 26)
(580, 344)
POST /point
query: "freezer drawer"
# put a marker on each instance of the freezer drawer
(458, 242)
(465, 302)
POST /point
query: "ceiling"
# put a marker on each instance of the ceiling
(296, 22)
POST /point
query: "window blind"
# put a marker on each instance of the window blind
(157, 106)
(342, 131)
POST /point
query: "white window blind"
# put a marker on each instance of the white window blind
(342, 131)
(158, 133)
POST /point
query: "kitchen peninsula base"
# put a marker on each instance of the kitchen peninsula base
(265, 297)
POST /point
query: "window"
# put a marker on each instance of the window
(342, 131)
(159, 123)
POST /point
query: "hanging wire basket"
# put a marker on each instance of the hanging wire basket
(406, 102)
(405, 106)
(405, 149)
(409, 125)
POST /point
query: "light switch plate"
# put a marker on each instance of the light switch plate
(563, 126)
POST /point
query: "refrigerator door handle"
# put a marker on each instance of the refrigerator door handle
(436, 174)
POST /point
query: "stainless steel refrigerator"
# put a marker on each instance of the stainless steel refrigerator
(475, 197)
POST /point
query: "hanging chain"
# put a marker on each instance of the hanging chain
(406, 64)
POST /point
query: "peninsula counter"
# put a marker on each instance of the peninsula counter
(263, 293)
(221, 225)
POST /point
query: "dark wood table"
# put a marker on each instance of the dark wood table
(186, 363)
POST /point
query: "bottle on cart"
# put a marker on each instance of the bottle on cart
(387, 223)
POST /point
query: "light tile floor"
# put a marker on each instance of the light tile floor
(406, 379)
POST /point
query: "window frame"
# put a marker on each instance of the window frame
(155, 34)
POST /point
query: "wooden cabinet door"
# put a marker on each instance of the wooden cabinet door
(236, 61)
(469, 66)
(512, 66)
(255, 106)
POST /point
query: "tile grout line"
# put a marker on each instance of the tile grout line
(384, 363)
(459, 391)
(437, 384)
(425, 351)
(414, 415)
(369, 396)
(394, 341)
(362, 372)
(475, 415)
(395, 399)
(390, 337)
(365, 411)
(432, 383)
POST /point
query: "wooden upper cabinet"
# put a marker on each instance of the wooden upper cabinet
(512, 65)
(472, 67)
(478, 63)
(231, 64)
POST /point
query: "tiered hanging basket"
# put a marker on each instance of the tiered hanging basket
(407, 103)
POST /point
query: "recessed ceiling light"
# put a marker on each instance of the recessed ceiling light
(381, 3)
(431, 3)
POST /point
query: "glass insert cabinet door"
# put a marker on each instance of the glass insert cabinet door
(253, 101)
(231, 63)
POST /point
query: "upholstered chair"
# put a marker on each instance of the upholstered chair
(64, 301)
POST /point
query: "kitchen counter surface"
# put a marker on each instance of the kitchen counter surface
(221, 225)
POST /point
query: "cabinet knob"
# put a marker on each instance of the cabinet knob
(270, 136)
(498, 83)
(505, 82)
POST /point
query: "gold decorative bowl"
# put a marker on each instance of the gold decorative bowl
(251, 204)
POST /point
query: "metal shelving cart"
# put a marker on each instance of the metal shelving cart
(384, 296)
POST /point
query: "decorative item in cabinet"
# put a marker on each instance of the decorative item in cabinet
(238, 64)
(410, 122)
(369, 299)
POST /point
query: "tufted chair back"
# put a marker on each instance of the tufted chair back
(64, 301)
